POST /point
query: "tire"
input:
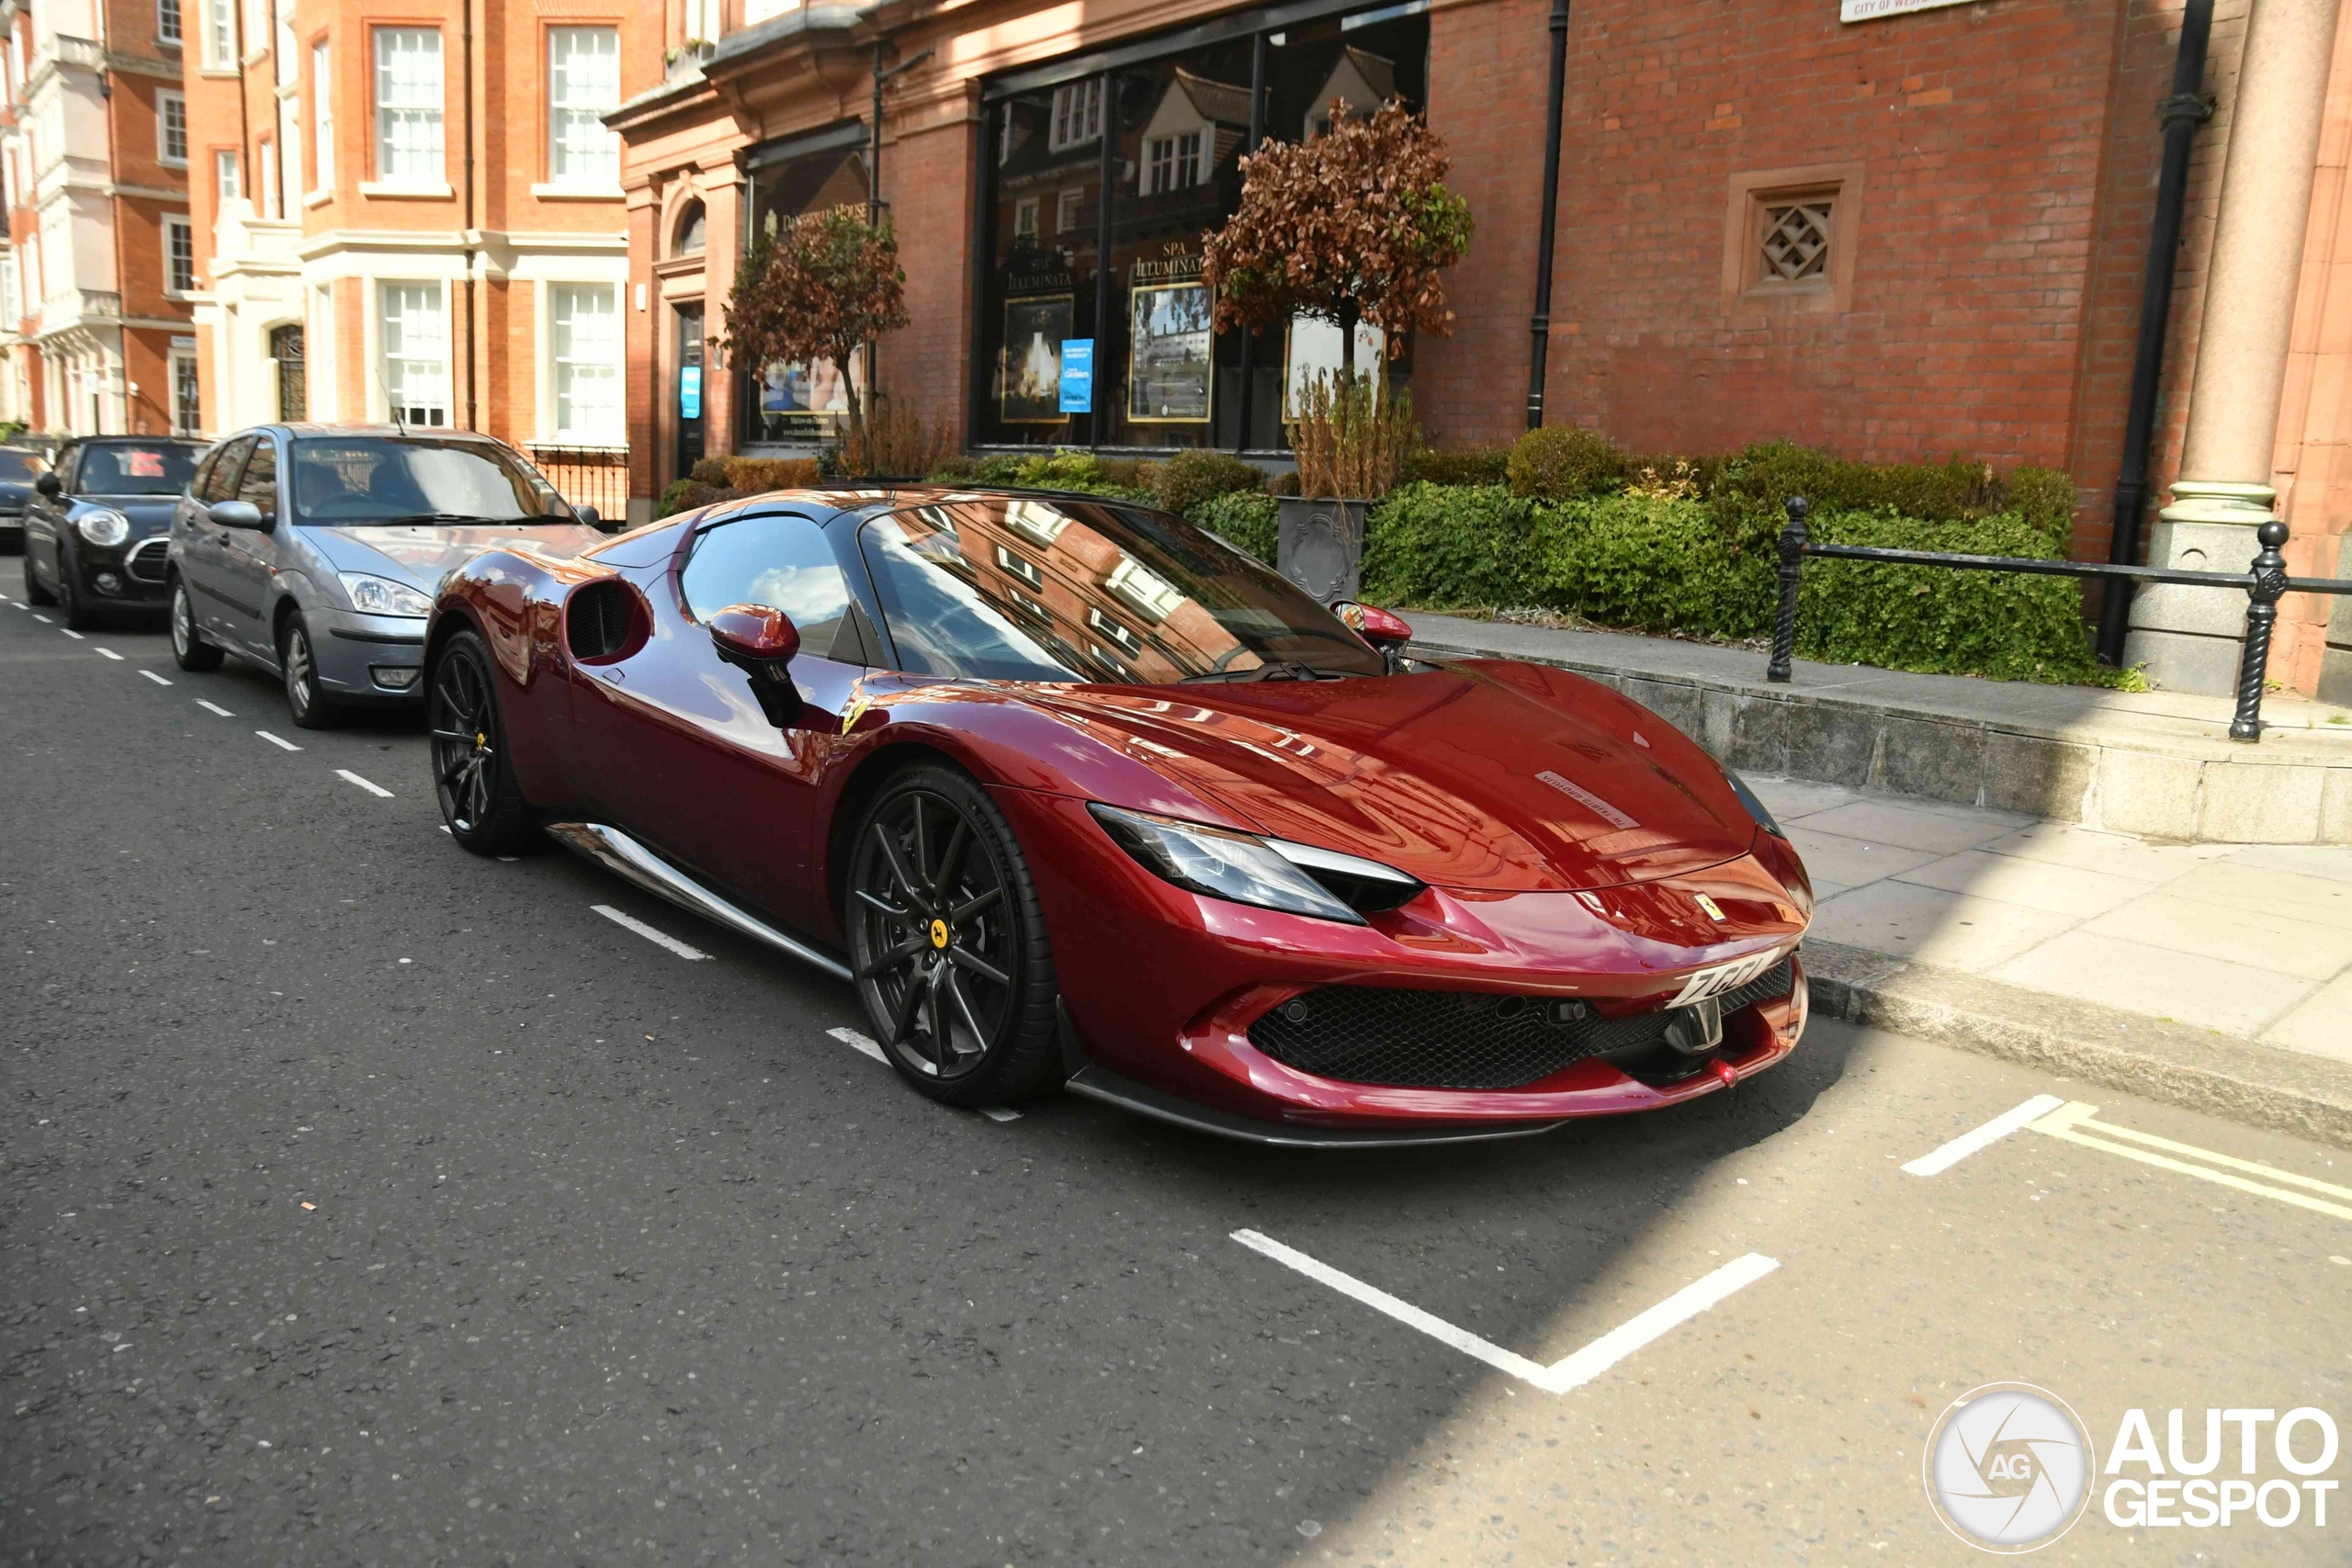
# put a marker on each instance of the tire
(71, 607)
(298, 664)
(34, 593)
(957, 981)
(189, 650)
(473, 777)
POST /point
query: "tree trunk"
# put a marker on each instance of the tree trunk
(1350, 314)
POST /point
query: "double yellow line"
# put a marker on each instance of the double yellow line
(2073, 1122)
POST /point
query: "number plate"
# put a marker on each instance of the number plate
(1725, 978)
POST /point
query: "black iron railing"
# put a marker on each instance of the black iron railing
(2264, 584)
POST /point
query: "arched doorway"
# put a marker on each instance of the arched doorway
(293, 372)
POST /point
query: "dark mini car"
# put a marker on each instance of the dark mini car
(1074, 793)
(19, 467)
(97, 526)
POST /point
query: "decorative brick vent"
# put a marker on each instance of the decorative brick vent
(1796, 239)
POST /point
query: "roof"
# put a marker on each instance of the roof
(1220, 102)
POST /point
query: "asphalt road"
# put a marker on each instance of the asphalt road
(367, 1202)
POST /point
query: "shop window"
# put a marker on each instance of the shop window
(799, 404)
(1789, 239)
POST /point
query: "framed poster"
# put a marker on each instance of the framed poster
(1311, 348)
(1029, 371)
(804, 399)
(1169, 354)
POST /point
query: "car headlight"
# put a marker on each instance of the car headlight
(103, 526)
(1755, 807)
(383, 596)
(1251, 870)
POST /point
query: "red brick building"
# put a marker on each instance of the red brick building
(1917, 232)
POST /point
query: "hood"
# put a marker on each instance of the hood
(14, 494)
(422, 554)
(1502, 778)
(146, 513)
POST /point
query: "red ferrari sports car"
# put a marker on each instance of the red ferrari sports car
(1076, 794)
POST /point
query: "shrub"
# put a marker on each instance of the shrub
(1129, 473)
(955, 470)
(1561, 462)
(684, 495)
(1462, 465)
(2045, 499)
(708, 471)
(1189, 478)
(752, 474)
(1435, 544)
(1244, 519)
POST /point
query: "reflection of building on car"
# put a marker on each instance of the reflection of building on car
(1074, 794)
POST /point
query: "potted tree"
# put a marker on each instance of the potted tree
(820, 289)
(1351, 227)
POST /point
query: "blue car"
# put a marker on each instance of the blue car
(315, 551)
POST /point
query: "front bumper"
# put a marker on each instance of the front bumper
(376, 658)
(131, 574)
(1162, 987)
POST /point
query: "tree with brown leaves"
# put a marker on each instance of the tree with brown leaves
(827, 285)
(1353, 225)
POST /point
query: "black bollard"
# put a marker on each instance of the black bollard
(2261, 614)
(1784, 624)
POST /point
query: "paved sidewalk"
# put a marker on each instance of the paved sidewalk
(2252, 941)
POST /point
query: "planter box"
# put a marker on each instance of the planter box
(1320, 545)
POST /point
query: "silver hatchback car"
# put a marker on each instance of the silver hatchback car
(316, 551)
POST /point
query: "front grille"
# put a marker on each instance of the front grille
(147, 557)
(1369, 1034)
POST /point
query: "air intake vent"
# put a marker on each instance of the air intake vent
(599, 621)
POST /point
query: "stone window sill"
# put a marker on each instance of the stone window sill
(546, 192)
(405, 189)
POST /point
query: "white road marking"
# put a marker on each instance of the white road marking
(69, 631)
(444, 827)
(999, 1113)
(110, 653)
(2073, 1124)
(658, 939)
(152, 676)
(375, 789)
(44, 620)
(1991, 1133)
(859, 1044)
(1570, 1371)
(214, 707)
(273, 740)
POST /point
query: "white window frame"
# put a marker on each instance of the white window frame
(166, 101)
(12, 293)
(323, 115)
(1172, 162)
(1077, 114)
(184, 227)
(1065, 209)
(221, 34)
(1024, 218)
(320, 343)
(167, 22)
(585, 379)
(411, 151)
(228, 176)
(413, 314)
(583, 65)
(190, 424)
(267, 147)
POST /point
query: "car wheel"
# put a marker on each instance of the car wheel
(74, 609)
(34, 593)
(189, 650)
(473, 774)
(298, 664)
(948, 945)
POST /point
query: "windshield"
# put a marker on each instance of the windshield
(157, 467)
(20, 465)
(1029, 590)
(358, 478)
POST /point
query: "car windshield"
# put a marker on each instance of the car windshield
(363, 479)
(1037, 590)
(135, 468)
(19, 466)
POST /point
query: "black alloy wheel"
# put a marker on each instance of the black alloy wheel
(480, 802)
(949, 946)
(34, 593)
(189, 650)
(298, 664)
(71, 605)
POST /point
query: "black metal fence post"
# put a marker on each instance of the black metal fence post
(2269, 585)
(1784, 623)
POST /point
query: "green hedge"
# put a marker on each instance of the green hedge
(1663, 563)
(1244, 519)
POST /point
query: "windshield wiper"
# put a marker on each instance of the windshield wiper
(1279, 669)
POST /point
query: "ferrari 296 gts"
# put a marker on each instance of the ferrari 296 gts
(1075, 793)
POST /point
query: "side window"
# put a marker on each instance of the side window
(783, 563)
(69, 458)
(222, 482)
(203, 475)
(259, 484)
(942, 621)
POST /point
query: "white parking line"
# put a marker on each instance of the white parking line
(375, 789)
(44, 620)
(69, 631)
(110, 653)
(1570, 1371)
(2073, 1124)
(152, 676)
(859, 1044)
(1000, 1114)
(658, 939)
(214, 707)
(273, 740)
(1991, 1133)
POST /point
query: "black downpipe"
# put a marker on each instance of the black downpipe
(473, 222)
(1243, 413)
(1100, 421)
(1540, 324)
(2182, 113)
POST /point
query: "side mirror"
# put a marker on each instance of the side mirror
(761, 641)
(235, 514)
(590, 517)
(49, 486)
(1385, 629)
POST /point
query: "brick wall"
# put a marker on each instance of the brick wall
(928, 178)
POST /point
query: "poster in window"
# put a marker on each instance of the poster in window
(804, 399)
(1030, 375)
(1312, 349)
(1168, 355)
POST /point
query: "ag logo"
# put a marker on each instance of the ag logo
(2008, 1467)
